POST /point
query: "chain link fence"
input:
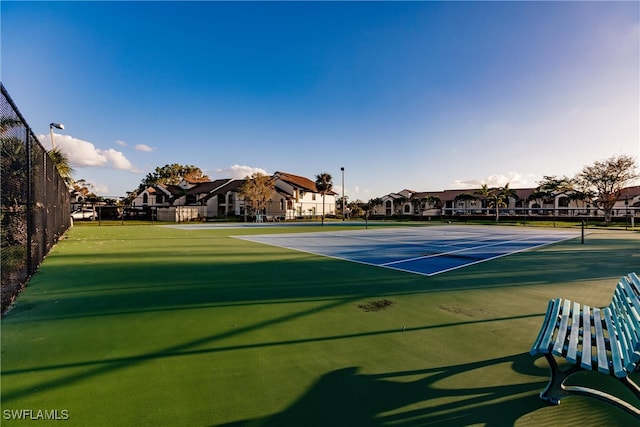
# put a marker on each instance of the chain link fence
(35, 201)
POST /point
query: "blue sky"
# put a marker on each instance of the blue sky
(419, 95)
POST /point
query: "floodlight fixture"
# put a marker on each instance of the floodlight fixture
(57, 126)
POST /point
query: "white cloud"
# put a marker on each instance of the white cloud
(145, 148)
(462, 184)
(514, 179)
(121, 143)
(101, 189)
(86, 154)
(117, 159)
(238, 172)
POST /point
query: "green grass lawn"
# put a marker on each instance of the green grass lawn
(148, 325)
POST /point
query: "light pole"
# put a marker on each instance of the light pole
(57, 126)
(343, 207)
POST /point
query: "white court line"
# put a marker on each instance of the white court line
(501, 255)
(457, 251)
(440, 238)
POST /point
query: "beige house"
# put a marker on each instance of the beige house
(293, 197)
(527, 202)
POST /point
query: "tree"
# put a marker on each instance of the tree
(496, 197)
(372, 203)
(355, 208)
(13, 162)
(173, 175)
(422, 203)
(256, 191)
(486, 193)
(508, 194)
(606, 179)
(367, 207)
(62, 163)
(553, 185)
(324, 184)
(83, 188)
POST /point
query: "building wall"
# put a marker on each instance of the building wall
(179, 213)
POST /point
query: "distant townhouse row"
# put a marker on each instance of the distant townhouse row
(470, 202)
(293, 197)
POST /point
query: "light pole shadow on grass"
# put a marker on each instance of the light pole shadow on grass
(345, 397)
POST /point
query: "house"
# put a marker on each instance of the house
(219, 198)
(297, 197)
(294, 196)
(527, 201)
(395, 204)
(157, 196)
(628, 203)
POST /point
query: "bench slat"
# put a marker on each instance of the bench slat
(545, 337)
(618, 311)
(632, 287)
(586, 338)
(614, 344)
(535, 348)
(601, 349)
(633, 306)
(562, 328)
(629, 319)
(635, 281)
(574, 338)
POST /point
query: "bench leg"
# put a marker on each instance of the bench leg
(557, 390)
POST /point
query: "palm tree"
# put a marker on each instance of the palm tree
(508, 193)
(324, 184)
(13, 162)
(486, 194)
(419, 205)
(62, 163)
(495, 197)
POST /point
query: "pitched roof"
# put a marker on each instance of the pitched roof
(297, 181)
(227, 185)
(629, 192)
(423, 194)
(207, 187)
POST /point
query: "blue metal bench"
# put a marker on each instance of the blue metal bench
(605, 340)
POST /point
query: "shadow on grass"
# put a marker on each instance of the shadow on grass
(347, 398)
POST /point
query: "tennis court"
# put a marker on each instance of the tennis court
(185, 326)
(420, 250)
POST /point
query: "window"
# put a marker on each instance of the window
(160, 198)
(191, 199)
(407, 208)
(145, 199)
(313, 196)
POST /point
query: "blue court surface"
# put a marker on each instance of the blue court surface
(420, 250)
